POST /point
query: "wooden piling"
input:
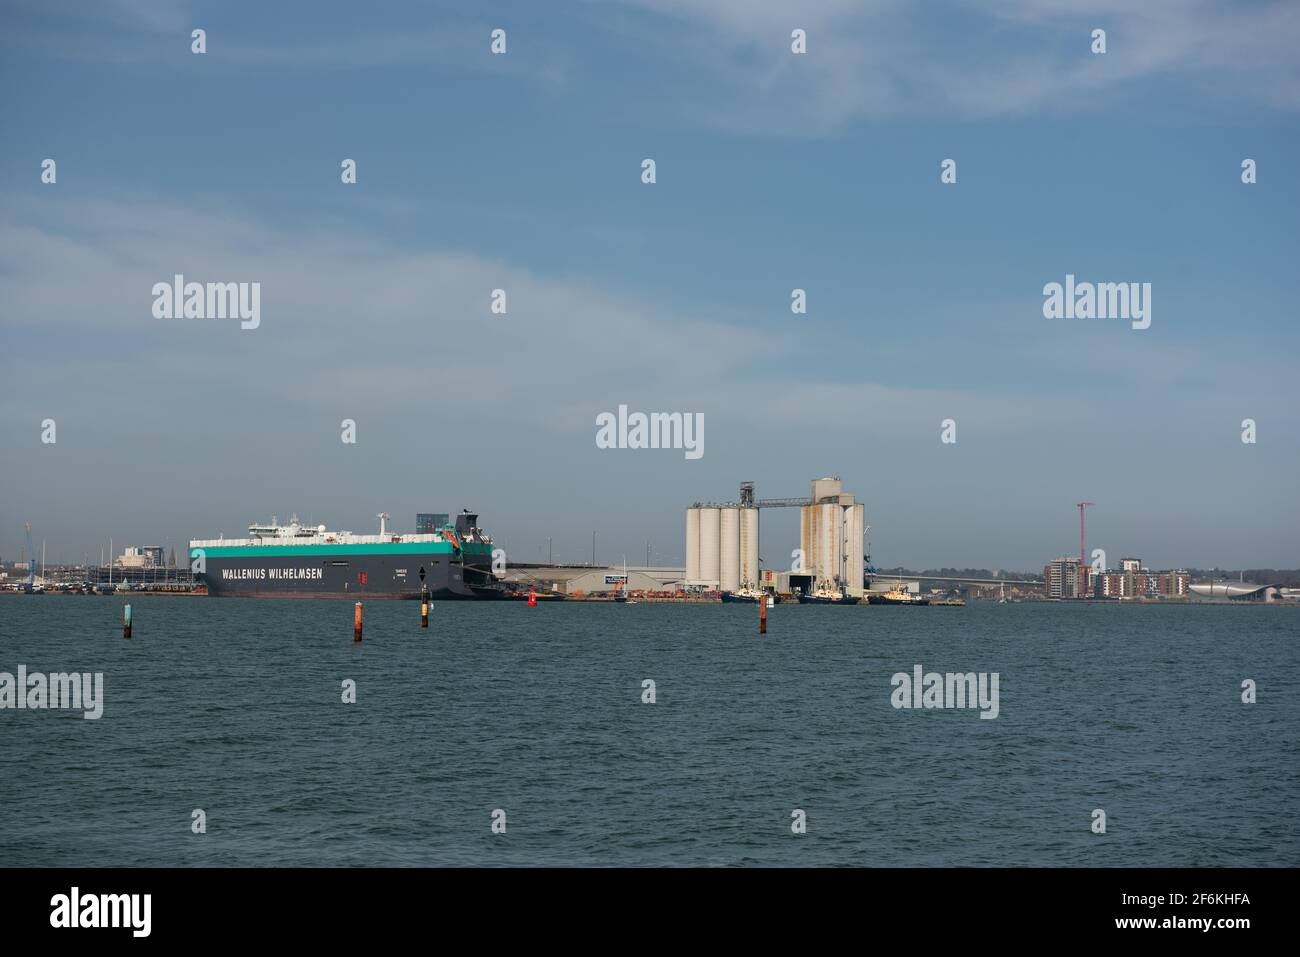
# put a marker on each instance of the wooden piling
(356, 623)
(762, 614)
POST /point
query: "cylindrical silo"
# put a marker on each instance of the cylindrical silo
(830, 532)
(854, 527)
(710, 552)
(692, 545)
(807, 535)
(749, 548)
(729, 558)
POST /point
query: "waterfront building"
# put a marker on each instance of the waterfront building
(1064, 578)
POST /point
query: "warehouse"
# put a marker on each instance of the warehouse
(595, 581)
(582, 580)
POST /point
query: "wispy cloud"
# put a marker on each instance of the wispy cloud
(153, 34)
(390, 325)
(964, 59)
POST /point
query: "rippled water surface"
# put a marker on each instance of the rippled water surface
(234, 706)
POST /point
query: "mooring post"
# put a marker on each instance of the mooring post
(424, 608)
(356, 623)
(126, 621)
(762, 614)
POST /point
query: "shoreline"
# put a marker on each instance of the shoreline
(787, 601)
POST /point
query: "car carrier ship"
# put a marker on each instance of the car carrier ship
(298, 561)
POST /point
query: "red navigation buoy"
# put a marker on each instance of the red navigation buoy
(532, 598)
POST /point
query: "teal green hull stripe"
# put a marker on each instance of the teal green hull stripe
(329, 551)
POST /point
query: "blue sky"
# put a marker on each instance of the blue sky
(775, 171)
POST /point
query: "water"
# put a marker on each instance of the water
(234, 706)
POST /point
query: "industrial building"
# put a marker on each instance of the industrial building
(1243, 591)
(831, 529)
(722, 547)
(722, 542)
(578, 581)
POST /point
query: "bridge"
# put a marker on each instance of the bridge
(948, 578)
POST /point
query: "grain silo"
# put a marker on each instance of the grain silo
(722, 541)
(854, 529)
(828, 543)
(693, 544)
(748, 548)
(710, 546)
(729, 546)
(807, 536)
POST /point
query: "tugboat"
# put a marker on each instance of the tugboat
(897, 596)
(750, 596)
(827, 596)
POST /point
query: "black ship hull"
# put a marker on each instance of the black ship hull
(407, 576)
(817, 600)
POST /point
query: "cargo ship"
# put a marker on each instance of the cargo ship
(300, 561)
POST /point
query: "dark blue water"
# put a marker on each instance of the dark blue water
(234, 706)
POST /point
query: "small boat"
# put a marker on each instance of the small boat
(748, 595)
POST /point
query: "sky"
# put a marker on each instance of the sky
(774, 171)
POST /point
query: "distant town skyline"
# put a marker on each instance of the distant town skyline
(774, 172)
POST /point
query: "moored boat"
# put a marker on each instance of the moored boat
(896, 596)
(747, 595)
(827, 596)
